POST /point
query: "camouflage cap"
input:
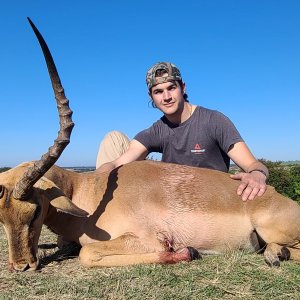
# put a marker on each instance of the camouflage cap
(169, 73)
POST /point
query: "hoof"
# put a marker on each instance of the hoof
(276, 264)
(194, 253)
(285, 254)
(273, 263)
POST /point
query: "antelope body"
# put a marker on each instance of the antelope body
(156, 209)
(142, 212)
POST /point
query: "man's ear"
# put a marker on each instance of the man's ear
(58, 199)
(183, 87)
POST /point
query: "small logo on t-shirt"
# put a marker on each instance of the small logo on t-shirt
(197, 149)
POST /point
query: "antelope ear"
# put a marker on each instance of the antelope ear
(64, 204)
(58, 199)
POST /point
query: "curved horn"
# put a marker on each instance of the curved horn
(33, 174)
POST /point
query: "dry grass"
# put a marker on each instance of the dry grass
(234, 276)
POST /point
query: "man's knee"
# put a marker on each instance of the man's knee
(114, 144)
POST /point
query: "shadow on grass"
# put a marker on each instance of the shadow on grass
(51, 253)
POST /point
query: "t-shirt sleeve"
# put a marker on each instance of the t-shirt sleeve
(150, 138)
(224, 131)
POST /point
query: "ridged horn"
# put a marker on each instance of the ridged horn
(33, 174)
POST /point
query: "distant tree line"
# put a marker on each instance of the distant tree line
(285, 178)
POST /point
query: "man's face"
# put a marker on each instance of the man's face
(168, 97)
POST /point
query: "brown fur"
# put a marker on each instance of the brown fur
(142, 210)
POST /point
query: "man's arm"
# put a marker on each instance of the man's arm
(135, 151)
(253, 181)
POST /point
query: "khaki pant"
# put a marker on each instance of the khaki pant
(113, 145)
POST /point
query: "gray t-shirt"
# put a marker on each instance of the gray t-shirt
(201, 141)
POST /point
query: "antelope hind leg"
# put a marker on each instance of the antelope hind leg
(275, 253)
(128, 250)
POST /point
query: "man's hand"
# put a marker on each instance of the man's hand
(252, 184)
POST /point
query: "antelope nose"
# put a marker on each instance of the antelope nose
(23, 266)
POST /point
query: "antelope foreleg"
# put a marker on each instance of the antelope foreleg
(128, 250)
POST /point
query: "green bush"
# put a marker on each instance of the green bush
(284, 178)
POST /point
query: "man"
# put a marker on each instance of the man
(186, 134)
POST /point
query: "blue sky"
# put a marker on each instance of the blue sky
(240, 57)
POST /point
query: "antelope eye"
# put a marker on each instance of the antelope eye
(2, 189)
